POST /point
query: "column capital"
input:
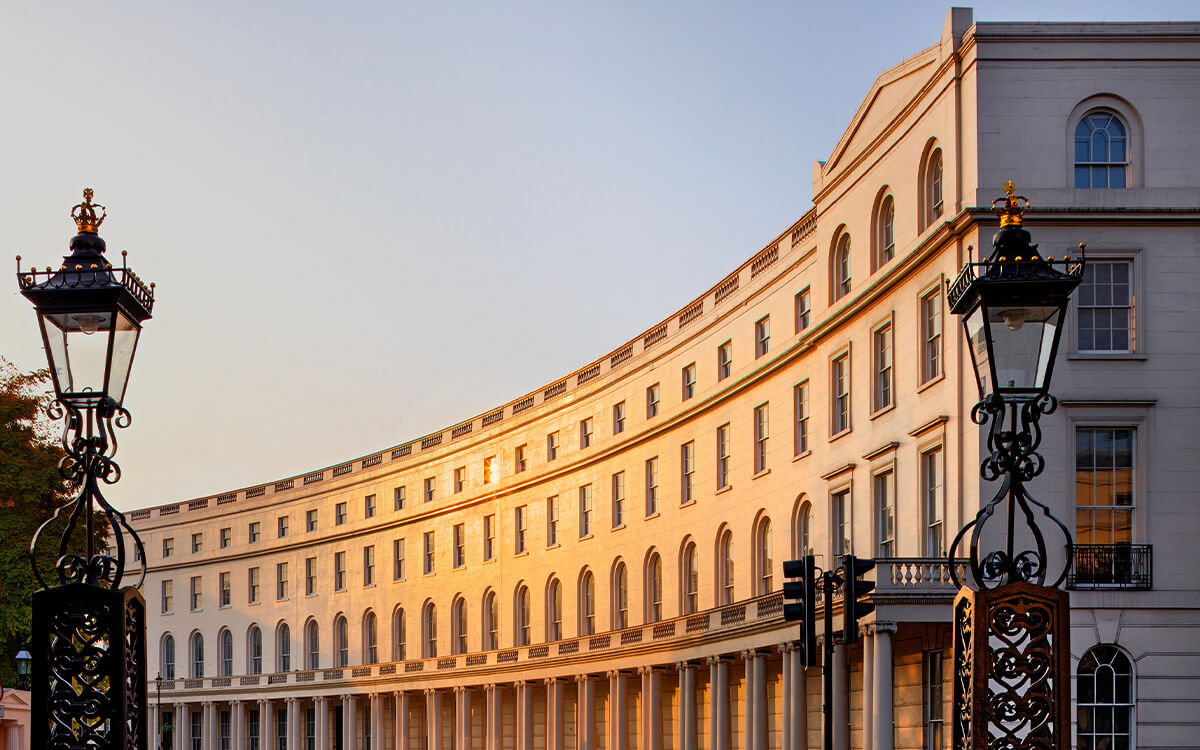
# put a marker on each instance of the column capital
(550, 681)
(884, 626)
(585, 677)
(321, 700)
(459, 690)
(713, 661)
(520, 683)
(430, 691)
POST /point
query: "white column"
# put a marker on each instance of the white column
(618, 729)
(349, 720)
(841, 713)
(555, 726)
(687, 706)
(462, 719)
(296, 728)
(868, 694)
(651, 708)
(322, 709)
(400, 699)
(795, 703)
(183, 720)
(882, 699)
(237, 725)
(585, 712)
(524, 728)
(210, 725)
(433, 719)
(718, 715)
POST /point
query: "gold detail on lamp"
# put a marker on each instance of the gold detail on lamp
(1013, 208)
(84, 214)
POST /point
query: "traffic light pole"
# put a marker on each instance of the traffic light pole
(829, 581)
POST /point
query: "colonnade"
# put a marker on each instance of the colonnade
(620, 709)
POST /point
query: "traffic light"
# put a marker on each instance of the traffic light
(800, 600)
(853, 590)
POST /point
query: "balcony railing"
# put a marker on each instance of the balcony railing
(1111, 566)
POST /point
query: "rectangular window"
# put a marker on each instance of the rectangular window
(803, 308)
(885, 514)
(689, 381)
(585, 510)
(339, 571)
(226, 537)
(489, 537)
(252, 717)
(194, 593)
(310, 520)
(519, 459)
(197, 543)
(310, 575)
(585, 433)
(761, 436)
(225, 590)
(197, 730)
(281, 580)
(399, 498)
(369, 506)
(932, 687)
(489, 470)
(687, 471)
(281, 526)
(339, 514)
(460, 545)
(724, 360)
(169, 546)
(722, 457)
(931, 336)
(652, 398)
(881, 397)
(933, 502)
(840, 382)
(254, 532)
(618, 418)
(762, 336)
(652, 486)
(397, 559)
(460, 475)
(168, 596)
(369, 565)
(1104, 486)
(840, 515)
(618, 499)
(429, 488)
(800, 404)
(552, 446)
(552, 521)
(252, 584)
(223, 722)
(429, 552)
(520, 524)
(1105, 307)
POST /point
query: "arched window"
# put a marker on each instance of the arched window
(283, 648)
(399, 636)
(196, 655)
(725, 568)
(931, 188)
(653, 582)
(801, 531)
(764, 562)
(554, 610)
(620, 597)
(885, 232)
(312, 645)
(491, 621)
(1101, 151)
(254, 646)
(841, 267)
(167, 657)
(429, 631)
(1104, 699)
(341, 642)
(689, 575)
(458, 626)
(587, 604)
(370, 638)
(224, 653)
(522, 617)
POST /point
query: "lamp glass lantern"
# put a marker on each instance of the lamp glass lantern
(24, 663)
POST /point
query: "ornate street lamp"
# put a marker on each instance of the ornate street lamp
(23, 660)
(88, 649)
(1011, 630)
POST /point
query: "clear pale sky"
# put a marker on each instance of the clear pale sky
(371, 221)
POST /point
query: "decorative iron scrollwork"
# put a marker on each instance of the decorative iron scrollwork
(1014, 435)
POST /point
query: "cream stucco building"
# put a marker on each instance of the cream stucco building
(597, 564)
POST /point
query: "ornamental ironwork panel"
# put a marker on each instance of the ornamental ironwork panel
(1020, 699)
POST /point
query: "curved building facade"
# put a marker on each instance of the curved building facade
(597, 564)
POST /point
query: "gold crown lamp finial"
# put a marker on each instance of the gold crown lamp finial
(1011, 207)
(84, 214)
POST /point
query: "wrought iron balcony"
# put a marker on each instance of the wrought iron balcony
(1111, 566)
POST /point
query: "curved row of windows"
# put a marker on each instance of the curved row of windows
(522, 610)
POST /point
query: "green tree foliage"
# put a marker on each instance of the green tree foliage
(30, 490)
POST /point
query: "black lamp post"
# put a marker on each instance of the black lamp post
(158, 705)
(23, 663)
(1011, 630)
(88, 649)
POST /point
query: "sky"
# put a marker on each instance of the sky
(368, 221)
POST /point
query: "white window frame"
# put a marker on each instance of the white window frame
(1132, 256)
